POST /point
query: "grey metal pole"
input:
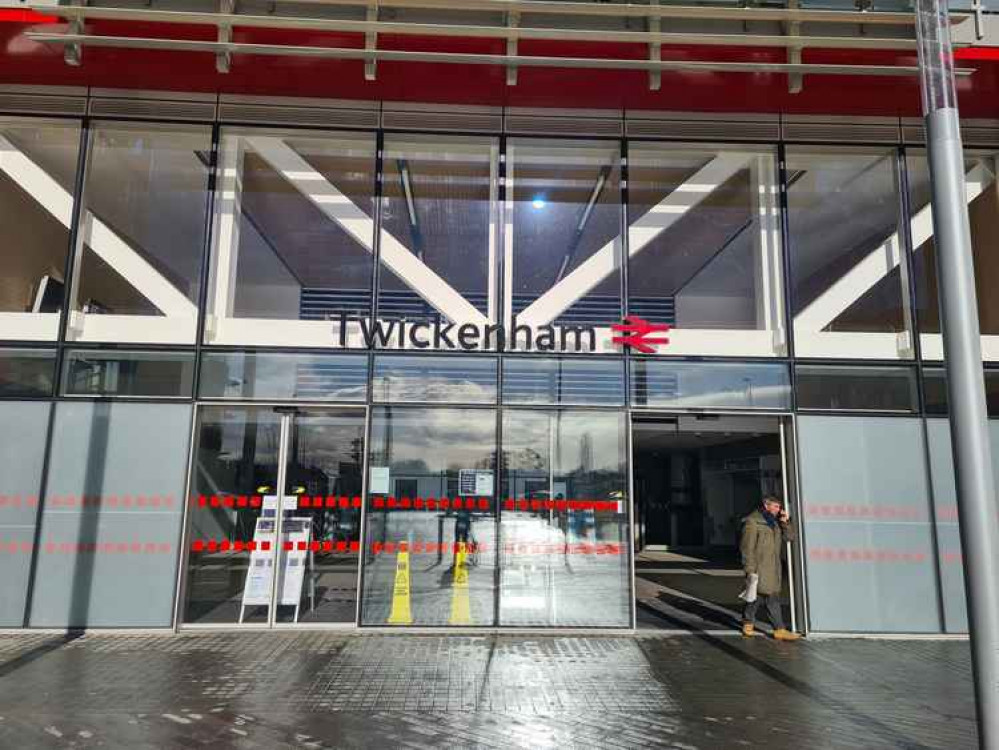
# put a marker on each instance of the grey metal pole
(976, 498)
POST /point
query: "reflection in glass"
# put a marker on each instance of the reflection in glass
(26, 372)
(88, 372)
(430, 542)
(563, 198)
(284, 376)
(438, 231)
(294, 235)
(563, 381)
(982, 192)
(37, 171)
(113, 505)
(21, 466)
(446, 379)
(321, 528)
(142, 233)
(848, 293)
(704, 244)
(564, 540)
(710, 385)
(935, 392)
(856, 388)
(950, 558)
(233, 515)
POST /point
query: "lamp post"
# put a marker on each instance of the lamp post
(976, 499)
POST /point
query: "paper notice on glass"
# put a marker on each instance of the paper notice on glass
(483, 483)
(752, 583)
(378, 480)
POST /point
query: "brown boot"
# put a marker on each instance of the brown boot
(782, 634)
(748, 629)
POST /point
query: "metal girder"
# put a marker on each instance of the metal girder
(223, 60)
(634, 10)
(655, 51)
(512, 31)
(795, 81)
(342, 53)
(371, 42)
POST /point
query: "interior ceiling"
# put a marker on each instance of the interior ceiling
(846, 206)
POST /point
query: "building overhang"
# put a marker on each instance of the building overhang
(497, 53)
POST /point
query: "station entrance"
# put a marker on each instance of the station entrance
(695, 479)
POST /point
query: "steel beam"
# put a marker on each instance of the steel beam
(511, 31)
(349, 53)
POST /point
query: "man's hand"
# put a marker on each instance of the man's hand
(784, 517)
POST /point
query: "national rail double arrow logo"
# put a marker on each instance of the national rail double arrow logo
(637, 333)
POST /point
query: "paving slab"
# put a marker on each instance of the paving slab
(347, 690)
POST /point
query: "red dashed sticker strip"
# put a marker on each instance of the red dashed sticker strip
(226, 545)
(524, 504)
(89, 501)
(89, 548)
(329, 501)
(879, 512)
(432, 503)
(844, 555)
(228, 501)
(485, 504)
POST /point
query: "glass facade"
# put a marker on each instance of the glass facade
(313, 377)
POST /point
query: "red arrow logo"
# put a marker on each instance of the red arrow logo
(639, 334)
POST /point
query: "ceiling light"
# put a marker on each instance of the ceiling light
(538, 203)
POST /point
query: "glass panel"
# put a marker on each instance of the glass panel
(293, 238)
(704, 245)
(709, 385)
(949, 556)
(38, 161)
(470, 380)
(143, 234)
(564, 539)
(846, 388)
(430, 544)
(102, 373)
(983, 211)
(279, 377)
(868, 539)
(935, 392)
(563, 381)
(233, 515)
(321, 528)
(26, 372)
(438, 236)
(564, 248)
(111, 523)
(848, 297)
(21, 464)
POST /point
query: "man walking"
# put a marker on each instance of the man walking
(764, 532)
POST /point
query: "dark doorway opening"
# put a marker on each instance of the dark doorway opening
(695, 479)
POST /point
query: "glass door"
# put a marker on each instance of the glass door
(321, 519)
(260, 556)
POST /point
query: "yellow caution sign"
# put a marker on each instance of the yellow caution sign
(401, 613)
(461, 612)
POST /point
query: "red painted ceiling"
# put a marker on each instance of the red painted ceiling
(25, 62)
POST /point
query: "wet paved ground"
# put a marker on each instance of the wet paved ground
(323, 690)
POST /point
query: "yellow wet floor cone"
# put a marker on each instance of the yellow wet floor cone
(461, 612)
(401, 613)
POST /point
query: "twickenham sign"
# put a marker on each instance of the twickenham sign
(439, 335)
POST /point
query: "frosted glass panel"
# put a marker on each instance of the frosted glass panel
(868, 540)
(108, 547)
(948, 533)
(20, 479)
